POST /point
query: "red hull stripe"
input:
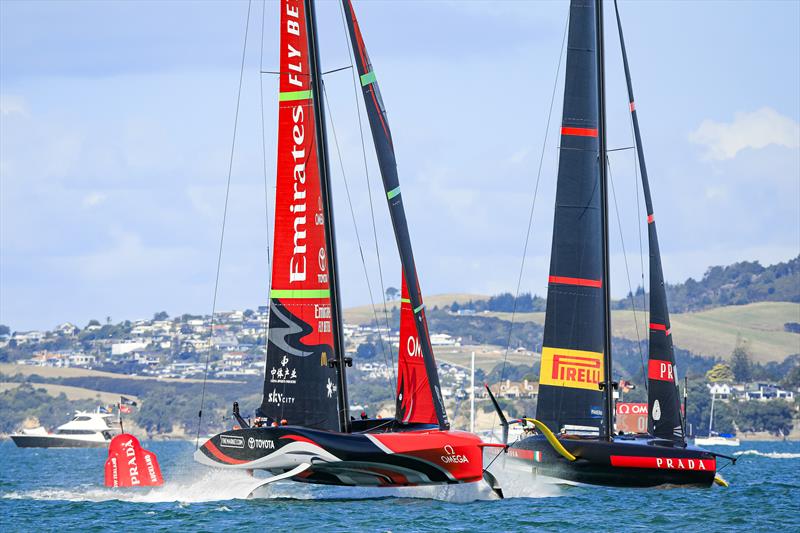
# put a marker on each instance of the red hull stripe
(299, 438)
(221, 456)
(665, 463)
(561, 280)
(650, 218)
(660, 327)
(579, 132)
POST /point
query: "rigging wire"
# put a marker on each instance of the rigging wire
(369, 193)
(533, 206)
(352, 213)
(266, 181)
(224, 218)
(627, 269)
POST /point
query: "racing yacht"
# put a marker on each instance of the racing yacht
(302, 430)
(574, 439)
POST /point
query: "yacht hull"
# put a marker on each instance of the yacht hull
(623, 462)
(389, 459)
(47, 441)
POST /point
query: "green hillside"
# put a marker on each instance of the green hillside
(714, 332)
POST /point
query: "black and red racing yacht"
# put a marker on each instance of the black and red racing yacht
(303, 430)
(574, 439)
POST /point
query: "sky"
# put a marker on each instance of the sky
(116, 125)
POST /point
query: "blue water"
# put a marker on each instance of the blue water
(62, 490)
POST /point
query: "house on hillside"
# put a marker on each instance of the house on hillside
(765, 391)
(720, 391)
(128, 346)
(82, 359)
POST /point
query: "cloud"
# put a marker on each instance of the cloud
(94, 198)
(10, 104)
(519, 156)
(757, 129)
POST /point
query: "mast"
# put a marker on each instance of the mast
(608, 414)
(382, 139)
(711, 416)
(339, 362)
(664, 418)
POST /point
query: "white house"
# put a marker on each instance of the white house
(121, 348)
(721, 391)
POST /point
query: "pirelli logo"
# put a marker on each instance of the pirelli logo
(571, 368)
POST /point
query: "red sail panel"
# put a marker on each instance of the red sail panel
(414, 399)
(298, 386)
(130, 465)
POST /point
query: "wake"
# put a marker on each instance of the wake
(771, 455)
(209, 485)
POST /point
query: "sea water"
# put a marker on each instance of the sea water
(62, 490)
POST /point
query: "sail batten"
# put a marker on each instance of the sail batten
(664, 418)
(382, 140)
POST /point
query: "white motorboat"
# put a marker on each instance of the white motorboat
(716, 439)
(85, 430)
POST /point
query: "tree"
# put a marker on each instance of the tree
(161, 315)
(93, 322)
(4, 330)
(366, 351)
(720, 373)
(740, 362)
(773, 416)
(392, 294)
(792, 379)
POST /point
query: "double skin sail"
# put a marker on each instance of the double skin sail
(299, 385)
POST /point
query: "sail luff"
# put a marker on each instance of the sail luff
(338, 362)
(664, 418)
(299, 386)
(382, 140)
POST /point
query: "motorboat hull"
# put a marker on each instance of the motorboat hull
(623, 462)
(389, 459)
(716, 441)
(55, 441)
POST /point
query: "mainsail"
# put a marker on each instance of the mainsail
(663, 416)
(299, 385)
(572, 366)
(382, 139)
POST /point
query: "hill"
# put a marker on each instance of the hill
(741, 283)
(714, 332)
(364, 314)
(72, 393)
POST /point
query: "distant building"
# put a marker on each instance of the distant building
(125, 347)
(82, 359)
(721, 391)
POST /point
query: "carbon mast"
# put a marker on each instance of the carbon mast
(664, 418)
(339, 361)
(608, 412)
(387, 162)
